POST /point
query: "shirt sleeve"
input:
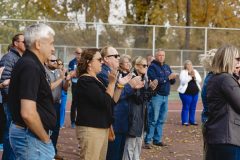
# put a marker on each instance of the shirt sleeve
(8, 63)
(29, 82)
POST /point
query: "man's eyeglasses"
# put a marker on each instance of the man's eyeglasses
(53, 60)
(21, 41)
(114, 55)
(78, 53)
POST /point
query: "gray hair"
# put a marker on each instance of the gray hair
(206, 59)
(124, 56)
(35, 32)
(186, 63)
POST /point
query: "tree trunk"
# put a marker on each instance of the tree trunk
(188, 22)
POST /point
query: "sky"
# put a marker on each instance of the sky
(117, 11)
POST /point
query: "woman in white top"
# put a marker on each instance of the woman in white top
(188, 91)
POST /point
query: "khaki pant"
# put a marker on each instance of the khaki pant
(132, 148)
(93, 142)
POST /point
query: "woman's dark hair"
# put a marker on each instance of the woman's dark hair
(86, 56)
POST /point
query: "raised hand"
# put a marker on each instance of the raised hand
(112, 76)
(1, 70)
(136, 82)
(73, 74)
(153, 84)
(172, 76)
(125, 80)
(62, 73)
(192, 73)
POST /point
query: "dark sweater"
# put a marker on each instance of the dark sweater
(161, 73)
(94, 105)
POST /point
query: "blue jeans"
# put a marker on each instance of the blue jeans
(222, 152)
(116, 148)
(7, 149)
(157, 115)
(27, 146)
(55, 132)
(189, 103)
(63, 107)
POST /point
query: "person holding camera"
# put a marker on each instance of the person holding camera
(188, 91)
(137, 103)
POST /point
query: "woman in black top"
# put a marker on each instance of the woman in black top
(94, 105)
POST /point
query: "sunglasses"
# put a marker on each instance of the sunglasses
(53, 60)
(144, 65)
(114, 55)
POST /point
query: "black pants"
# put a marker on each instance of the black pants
(222, 152)
(73, 106)
(2, 122)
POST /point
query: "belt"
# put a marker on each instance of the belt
(21, 126)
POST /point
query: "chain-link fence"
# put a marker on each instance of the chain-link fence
(129, 39)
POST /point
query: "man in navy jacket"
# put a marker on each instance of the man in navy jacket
(158, 108)
(72, 66)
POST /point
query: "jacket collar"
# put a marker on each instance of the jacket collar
(15, 51)
(157, 63)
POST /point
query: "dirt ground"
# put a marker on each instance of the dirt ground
(183, 142)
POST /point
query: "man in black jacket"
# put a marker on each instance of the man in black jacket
(8, 61)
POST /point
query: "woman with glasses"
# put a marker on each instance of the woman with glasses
(136, 114)
(94, 104)
(222, 127)
(188, 91)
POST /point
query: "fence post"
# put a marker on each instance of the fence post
(181, 61)
(65, 55)
(97, 36)
(153, 40)
(205, 46)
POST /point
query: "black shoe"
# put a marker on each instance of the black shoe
(185, 124)
(194, 124)
(161, 144)
(147, 146)
(57, 157)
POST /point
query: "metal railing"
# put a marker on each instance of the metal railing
(132, 39)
